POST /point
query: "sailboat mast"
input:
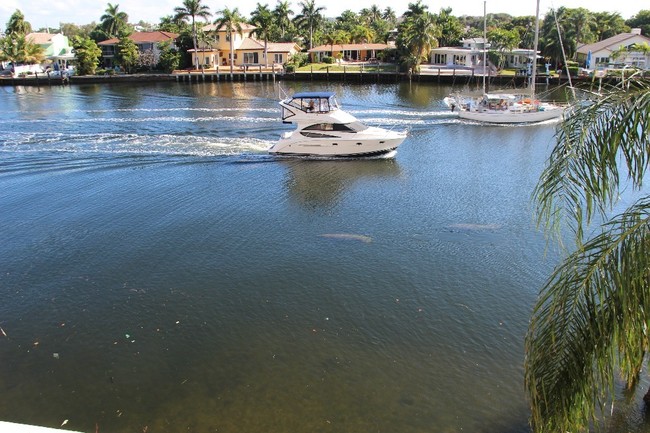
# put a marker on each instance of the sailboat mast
(484, 41)
(533, 74)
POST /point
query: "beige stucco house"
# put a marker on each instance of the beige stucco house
(248, 51)
(600, 55)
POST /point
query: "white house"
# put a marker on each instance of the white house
(470, 56)
(56, 47)
(600, 55)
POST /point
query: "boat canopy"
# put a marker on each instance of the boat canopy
(313, 102)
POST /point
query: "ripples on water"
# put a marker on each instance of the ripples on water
(187, 281)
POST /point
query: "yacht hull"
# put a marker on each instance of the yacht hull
(493, 116)
(335, 147)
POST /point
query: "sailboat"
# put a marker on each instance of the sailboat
(506, 107)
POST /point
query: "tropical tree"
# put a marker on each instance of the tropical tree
(114, 22)
(503, 41)
(126, 52)
(282, 14)
(231, 21)
(191, 10)
(389, 15)
(17, 24)
(310, 18)
(16, 48)
(591, 319)
(336, 37)
(581, 21)
(608, 24)
(451, 30)
(418, 34)
(169, 59)
(370, 15)
(641, 21)
(347, 21)
(550, 42)
(262, 19)
(361, 34)
(86, 54)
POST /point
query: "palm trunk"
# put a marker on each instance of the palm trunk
(196, 52)
(266, 54)
(232, 55)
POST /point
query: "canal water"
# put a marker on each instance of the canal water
(160, 272)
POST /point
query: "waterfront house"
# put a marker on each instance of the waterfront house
(145, 41)
(348, 52)
(602, 54)
(56, 48)
(470, 56)
(248, 51)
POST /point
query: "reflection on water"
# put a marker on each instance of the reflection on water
(316, 184)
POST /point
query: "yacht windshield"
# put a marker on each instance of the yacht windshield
(342, 127)
(315, 104)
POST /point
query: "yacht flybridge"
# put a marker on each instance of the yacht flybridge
(324, 129)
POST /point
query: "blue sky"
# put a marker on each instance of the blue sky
(51, 13)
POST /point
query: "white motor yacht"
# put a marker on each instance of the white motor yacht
(324, 129)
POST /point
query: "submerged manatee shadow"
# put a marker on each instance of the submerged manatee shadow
(348, 237)
(473, 227)
(321, 183)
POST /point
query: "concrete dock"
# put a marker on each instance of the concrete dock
(10, 427)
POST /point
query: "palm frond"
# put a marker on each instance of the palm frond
(597, 140)
(590, 318)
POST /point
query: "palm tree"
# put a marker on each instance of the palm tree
(362, 34)
(231, 20)
(17, 24)
(262, 19)
(607, 24)
(282, 14)
(113, 21)
(310, 18)
(16, 48)
(389, 15)
(371, 14)
(334, 38)
(192, 9)
(419, 33)
(581, 22)
(591, 318)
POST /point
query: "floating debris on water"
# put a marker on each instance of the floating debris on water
(347, 236)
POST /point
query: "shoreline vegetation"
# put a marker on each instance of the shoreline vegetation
(361, 73)
(193, 35)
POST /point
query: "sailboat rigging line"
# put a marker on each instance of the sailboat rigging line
(559, 35)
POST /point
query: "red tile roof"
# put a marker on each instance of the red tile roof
(144, 37)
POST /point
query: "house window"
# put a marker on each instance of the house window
(277, 58)
(459, 60)
(251, 58)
